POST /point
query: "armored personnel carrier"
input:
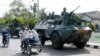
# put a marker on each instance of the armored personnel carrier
(61, 31)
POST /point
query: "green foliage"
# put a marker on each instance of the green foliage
(20, 20)
(2, 21)
(91, 25)
(18, 13)
(32, 21)
(8, 20)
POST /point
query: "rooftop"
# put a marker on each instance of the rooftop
(95, 15)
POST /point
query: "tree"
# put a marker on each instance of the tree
(2, 21)
(32, 22)
(19, 14)
(17, 8)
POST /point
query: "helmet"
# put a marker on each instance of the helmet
(64, 8)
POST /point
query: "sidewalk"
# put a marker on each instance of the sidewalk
(93, 45)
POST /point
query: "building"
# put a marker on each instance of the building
(93, 16)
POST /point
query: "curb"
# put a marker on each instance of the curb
(93, 45)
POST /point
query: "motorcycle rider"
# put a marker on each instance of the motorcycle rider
(35, 36)
(4, 32)
(24, 35)
(28, 36)
(31, 36)
(21, 36)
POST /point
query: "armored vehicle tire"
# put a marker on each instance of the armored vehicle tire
(56, 41)
(80, 44)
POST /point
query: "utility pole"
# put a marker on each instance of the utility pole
(38, 4)
(38, 9)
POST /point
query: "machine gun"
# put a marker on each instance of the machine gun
(72, 14)
(74, 9)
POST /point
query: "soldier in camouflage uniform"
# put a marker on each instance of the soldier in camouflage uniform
(64, 12)
(64, 15)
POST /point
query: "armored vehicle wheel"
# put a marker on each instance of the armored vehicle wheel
(56, 41)
(80, 44)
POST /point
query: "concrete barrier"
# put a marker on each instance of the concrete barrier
(93, 45)
(95, 37)
(94, 41)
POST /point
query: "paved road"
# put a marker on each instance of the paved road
(69, 50)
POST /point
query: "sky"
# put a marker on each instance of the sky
(56, 5)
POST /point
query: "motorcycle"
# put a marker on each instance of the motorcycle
(29, 49)
(6, 40)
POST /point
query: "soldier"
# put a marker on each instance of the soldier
(53, 15)
(64, 14)
(43, 14)
(49, 16)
